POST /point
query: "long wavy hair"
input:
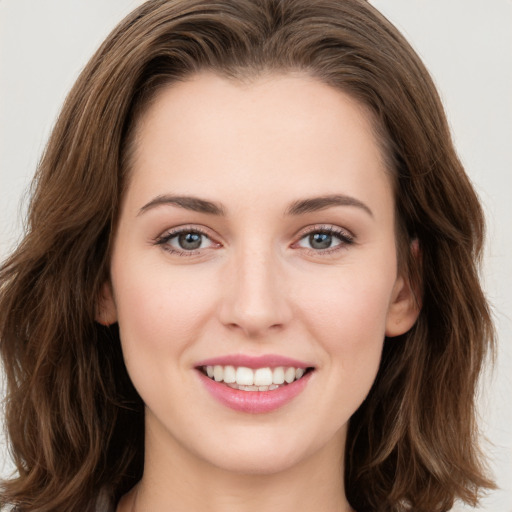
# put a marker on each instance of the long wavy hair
(75, 422)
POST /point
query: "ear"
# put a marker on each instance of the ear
(106, 311)
(405, 304)
(403, 310)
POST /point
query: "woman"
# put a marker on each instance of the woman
(249, 278)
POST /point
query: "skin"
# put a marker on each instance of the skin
(256, 286)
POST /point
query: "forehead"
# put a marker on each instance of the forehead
(291, 131)
(272, 97)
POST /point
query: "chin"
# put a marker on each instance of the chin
(253, 452)
(257, 462)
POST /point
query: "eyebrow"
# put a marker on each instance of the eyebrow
(299, 207)
(315, 204)
(187, 202)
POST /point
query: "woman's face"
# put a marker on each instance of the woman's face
(256, 235)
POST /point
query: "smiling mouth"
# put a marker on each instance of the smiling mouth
(258, 379)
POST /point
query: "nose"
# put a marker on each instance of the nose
(255, 299)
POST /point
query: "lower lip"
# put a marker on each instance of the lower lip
(254, 402)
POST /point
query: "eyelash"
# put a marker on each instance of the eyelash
(165, 239)
(345, 238)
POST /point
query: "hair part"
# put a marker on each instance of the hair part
(74, 419)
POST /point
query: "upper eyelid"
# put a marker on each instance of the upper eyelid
(346, 237)
(186, 229)
(165, 238)
(330, 228)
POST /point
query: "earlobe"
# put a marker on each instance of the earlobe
(106, 311)
(403, 310)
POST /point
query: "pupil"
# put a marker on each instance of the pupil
(320, 240)
(190, 241)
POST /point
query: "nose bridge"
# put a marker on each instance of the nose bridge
(256, 300)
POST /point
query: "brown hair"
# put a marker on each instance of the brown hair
(74, 420)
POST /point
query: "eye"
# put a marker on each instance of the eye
(325, 239)
(321, 240)
(185, 241)
(188, 241)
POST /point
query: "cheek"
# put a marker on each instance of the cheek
(159, 312)
(352, 310)
(347, 317)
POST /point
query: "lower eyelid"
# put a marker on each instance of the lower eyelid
(345, 239)
(164, 241)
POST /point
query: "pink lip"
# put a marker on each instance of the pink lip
(270, 361)
(255, 402)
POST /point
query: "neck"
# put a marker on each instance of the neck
(176, 481)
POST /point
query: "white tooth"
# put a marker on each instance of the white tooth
(272, 387)
(209, 371)
(229, 374)
(278, 375)
(289, 375)
(262, 388)
(299, 372)
(263, 377)
(218, 372)
(249, 388)
(244, 376)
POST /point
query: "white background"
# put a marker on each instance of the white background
(466, 44)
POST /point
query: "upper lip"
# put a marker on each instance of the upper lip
(263, 361)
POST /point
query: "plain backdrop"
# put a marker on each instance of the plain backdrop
(467, 46)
